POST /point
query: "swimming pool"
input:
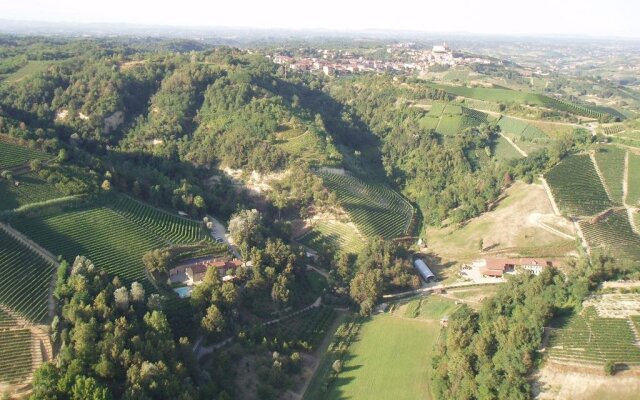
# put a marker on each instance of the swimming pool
(184, 291)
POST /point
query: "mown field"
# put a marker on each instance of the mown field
(576, 186)
(24, 279)
(390, 360)
(588, 338)
(526, 136)
(114, 238)
(12, 155)
(375, 209)
(503, 150)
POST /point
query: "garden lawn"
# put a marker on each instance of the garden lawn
(390, 360)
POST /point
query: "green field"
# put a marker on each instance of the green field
(12, 155)
(32, 68)
(333, 234)
(31, 189)
(526, 136)
(613, 232)
(503, 150)
(430, 307)
(633, 190)
(588, 338)
(308, 328)
(450, 119)
(375, 209)
(576, 186)
(15, 355)
(610, 161)
(24, 279)
(390, 360)
(113, 238)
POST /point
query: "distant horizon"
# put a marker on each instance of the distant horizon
(501, 18)
(19, 27)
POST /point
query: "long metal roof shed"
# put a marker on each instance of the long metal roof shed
(424, 270)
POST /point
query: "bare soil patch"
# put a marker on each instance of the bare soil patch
(561, 382)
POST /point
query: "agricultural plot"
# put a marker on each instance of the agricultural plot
(588, 338)
(172, 228)
(503, 150)
(307, 146)
(390, 360)
(504, 95)
(456, 75)
(333, 234)
(32, 68)
(612, 129)
(31, 189)
(482, 105)
(576, 186)
(24, 279)
(375, 209)
(526, 136)
(308, 328)
(12, 155)
(610, 161)
(112, 241)
(633, 189)
(613, 232)
(450, 119)
(15, 355)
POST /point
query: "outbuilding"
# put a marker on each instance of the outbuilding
(424, 270)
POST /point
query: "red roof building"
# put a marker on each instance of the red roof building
(497, 267)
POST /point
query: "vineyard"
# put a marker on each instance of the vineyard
(333, 234)
(588, 338)
(15, 358)
(31, 189)
(613, 232)
(307, 329)
(503, 95)
(633, 191)
(612, 129)
(611, 164)
(24, 279)
(12, 155)
(110, 240)
(576, 186)
(376, 209)
(503, 150)
(172, 228)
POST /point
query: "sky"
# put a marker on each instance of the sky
(502, 17)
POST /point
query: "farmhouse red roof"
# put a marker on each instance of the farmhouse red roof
(497, 266)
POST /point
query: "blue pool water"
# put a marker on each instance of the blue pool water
(183, 292)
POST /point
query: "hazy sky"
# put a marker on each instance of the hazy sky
(515, 17)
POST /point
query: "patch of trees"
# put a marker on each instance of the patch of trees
(381, 266)
(115, 342)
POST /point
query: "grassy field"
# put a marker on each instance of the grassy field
(503, 150)
(32, 68)
(450, 119)
(520, 209)
(390, 360)
(333, 234)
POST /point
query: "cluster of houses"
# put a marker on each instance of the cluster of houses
(404, 58)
